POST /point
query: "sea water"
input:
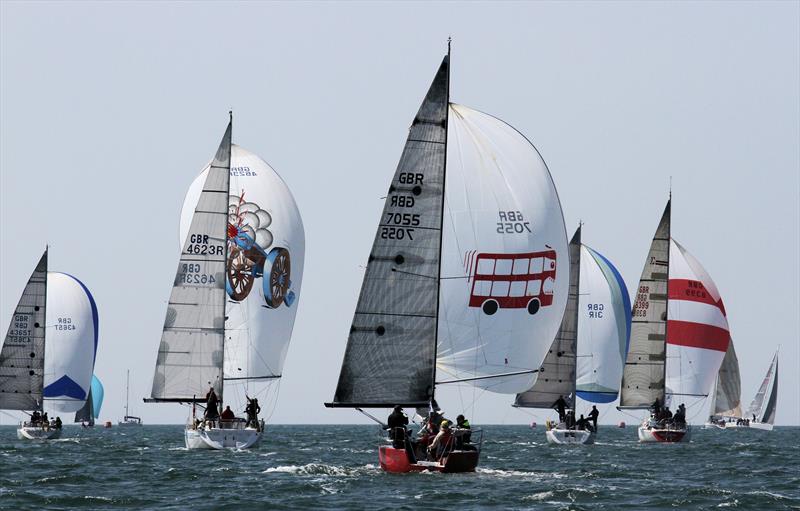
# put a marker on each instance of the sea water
(336, 467)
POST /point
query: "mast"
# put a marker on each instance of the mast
(575, 343)
(226, 248)
(441, 220)
(666, 302)
(127, 392)
(44, 325)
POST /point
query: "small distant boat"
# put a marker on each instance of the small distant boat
(761, 413)
(586, 357)
(56, 312)
(726, 409)
(128, 419)
(467, 276)
(91, 409)
(679, 336)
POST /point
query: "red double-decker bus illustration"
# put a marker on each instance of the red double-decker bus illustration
(513, 281)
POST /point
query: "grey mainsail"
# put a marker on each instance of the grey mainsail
(644, 372)
(557, 374)
(190, 357)
(728, 388)
(22, 356)
(86, 414)
(769, 387)
(390, 357)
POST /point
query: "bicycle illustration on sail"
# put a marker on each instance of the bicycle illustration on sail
(511, 281)
(250, 256)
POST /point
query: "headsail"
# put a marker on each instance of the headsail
(190, 356)
(644, 372)
(391, 350)
(91, 408)
(22, 356)
(726, 401)
(556, 377)
(505, 261)
(265, 265)
(604, 326)
(765, 412)
(72, 337)
(697, 326)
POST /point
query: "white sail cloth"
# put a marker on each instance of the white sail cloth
(764, 409)
(604, 322)
(505, 263)
(726, 400)
(71, 342)
(697, 327)
(262, 207)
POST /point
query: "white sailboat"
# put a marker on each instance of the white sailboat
(128, 419)
(467, 278)
(586, 357)
(233, 302)
(91, 408)
(679, 337)
(761, 413)
(725, 410)
(47, 358)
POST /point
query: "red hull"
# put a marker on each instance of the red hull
(669, 436)
(396, 461)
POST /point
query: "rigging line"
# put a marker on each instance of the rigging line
(516, 373)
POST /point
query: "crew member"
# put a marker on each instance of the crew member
(560, 405)
(396, 424)
(212, 405)
(227, 414)
(441, 444)
(463, 435)
(593, 415)
(582, 422)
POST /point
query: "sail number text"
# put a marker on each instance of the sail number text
(193, 274)
(642, 302)
(198, 244)
(64, 324)
(512, 222)
(20, 328)
(595, 310)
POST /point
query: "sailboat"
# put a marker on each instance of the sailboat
(725, 410)
(467, 276)
(128, 419)
(234, 296)
(48, 354)
(586, 357)
(679, 336)
(761, 413)
(91, 408)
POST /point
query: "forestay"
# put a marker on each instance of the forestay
(72, 337)
(726, 400)
(643, 374)
(557, 375)
(190, 355)
(391, 348)
(697, 329)
(604, 323)
(266, 223)
(505, 263)
(22, 356)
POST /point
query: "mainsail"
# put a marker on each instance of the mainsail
(22, 356)
(726, 401)
(644, 372)
(391, 351)
(604, 326)
(72, 338)
(556, 377)
(190, 357)
(267, 229)
(765, 411)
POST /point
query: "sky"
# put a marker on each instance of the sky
(109, 110)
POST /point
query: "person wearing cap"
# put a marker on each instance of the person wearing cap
(396, 424)
(463, 433)
(441, 444)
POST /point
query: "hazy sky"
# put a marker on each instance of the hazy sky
(110, 110)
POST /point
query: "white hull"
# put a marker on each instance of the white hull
(129, 424)
(569, 436)
(670, 435)
(761, 426)
(222, 438)
(37, 433)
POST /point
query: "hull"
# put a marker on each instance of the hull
(396, 461)
(569, 437)
(666, 435)
(123, 424)
(36, 433)
(223, 437)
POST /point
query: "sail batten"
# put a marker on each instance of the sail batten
(190, 357)
(389, 361)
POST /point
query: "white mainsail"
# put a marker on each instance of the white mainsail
(71, 345)
(761, 408)
(505, 265)
(190, 356)
(260, 206)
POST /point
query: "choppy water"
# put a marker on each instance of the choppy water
(335, 467)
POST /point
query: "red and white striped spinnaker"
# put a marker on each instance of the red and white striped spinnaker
(697, 326)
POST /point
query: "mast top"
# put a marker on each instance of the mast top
(449, 40)
(230, 115)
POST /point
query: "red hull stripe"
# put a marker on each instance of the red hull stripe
(697, 335)
(692, 291)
